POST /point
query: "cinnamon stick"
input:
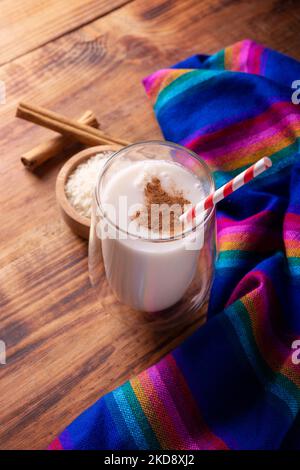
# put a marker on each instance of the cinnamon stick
(65, 126)
(46, 150)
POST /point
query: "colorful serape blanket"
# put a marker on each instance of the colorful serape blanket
(235, 383)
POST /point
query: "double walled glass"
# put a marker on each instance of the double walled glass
(161, 280)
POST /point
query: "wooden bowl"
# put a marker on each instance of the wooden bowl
(78, 223)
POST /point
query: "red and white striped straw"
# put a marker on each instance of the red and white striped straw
(237, 182)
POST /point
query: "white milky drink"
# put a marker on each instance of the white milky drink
(146, 272)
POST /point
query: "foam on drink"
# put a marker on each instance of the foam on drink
(145, 272)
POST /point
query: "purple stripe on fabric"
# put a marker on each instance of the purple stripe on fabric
(237, 229)
(263, 62)
(202, 435)
(170, 406)
(153, 83)
(258, 285)
(263, 132)
(212, 131)
(66, 440)
(258, 218)
(263, 127)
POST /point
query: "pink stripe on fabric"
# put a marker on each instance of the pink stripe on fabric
(233, 136)
(187, 441)
(265, 132)
(243, 59)
(256, 290)
(259, 218)
(187, 407)
(254, 57)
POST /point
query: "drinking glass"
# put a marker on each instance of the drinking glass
(163, 280)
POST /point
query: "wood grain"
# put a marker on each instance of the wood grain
(28, 24)
(63, 349)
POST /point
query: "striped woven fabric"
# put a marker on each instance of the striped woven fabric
(235, 383)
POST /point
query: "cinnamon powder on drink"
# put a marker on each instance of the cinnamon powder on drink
(170, 206)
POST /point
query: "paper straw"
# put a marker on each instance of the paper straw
(237, 182)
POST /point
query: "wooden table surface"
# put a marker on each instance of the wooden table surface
(63, 349)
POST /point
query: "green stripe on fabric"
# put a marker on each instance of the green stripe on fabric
(274, 382)
(281, 159)
(141, 417)
(181, 84)
(294, 267)
(294, 262)
(218, 60)
(286, 156)
(237, 258)
(240, 254)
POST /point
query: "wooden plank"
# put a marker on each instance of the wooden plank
(64, 350)
(28, 24)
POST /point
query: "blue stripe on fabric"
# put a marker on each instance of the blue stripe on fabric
(237, 414)
(130, 419)
(126, 440)
(252, 352)
(197, 105)
(86, 432)
(183, 84)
